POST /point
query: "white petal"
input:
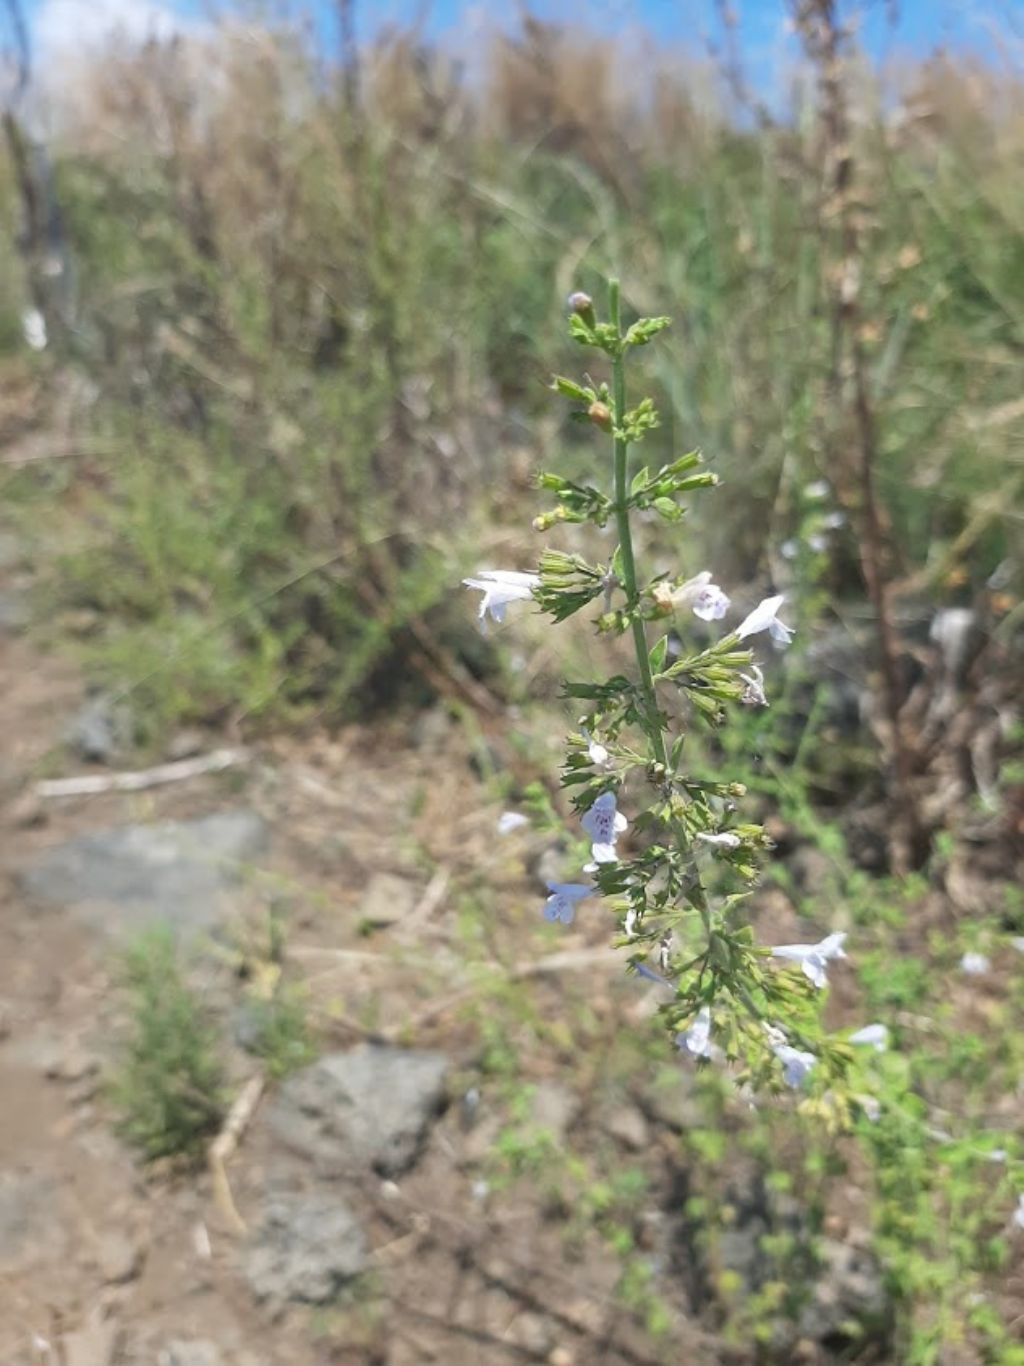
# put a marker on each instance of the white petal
(875, 1035)
(511, 820)
(814, 968)
(697, 1038)
(511, 578)
(725, 839)
(761, 618)
(603, 853)
(620, 822)
(832, 946)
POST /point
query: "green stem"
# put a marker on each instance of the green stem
(621, 446)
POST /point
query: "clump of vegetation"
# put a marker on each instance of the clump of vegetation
(280, 1030)
(168, 1086)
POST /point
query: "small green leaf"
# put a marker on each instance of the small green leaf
(668, 509)
(570, 389)
(658, 655)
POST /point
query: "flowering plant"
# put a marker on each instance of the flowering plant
(679, 890)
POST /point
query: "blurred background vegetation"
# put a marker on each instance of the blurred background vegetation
(299, 326)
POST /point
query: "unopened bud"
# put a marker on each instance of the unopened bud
(582, 305)
(600, 415)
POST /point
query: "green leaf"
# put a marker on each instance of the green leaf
(568, 388)
(644, 329)
(668, 509)
(658, 655)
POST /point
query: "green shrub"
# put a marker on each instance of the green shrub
(168, 1084)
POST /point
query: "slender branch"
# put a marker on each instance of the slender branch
(621, 449)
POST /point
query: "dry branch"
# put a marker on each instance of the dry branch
(92, 784)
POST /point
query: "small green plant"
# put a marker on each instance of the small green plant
(168, 1086)
(281, 1033)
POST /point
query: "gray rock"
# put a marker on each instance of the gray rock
(306, 1249)
(122, 880)
(30, 1224)
(102, 731)
(849, 1298)
(14, 613)
(387, 900)
(118, 1258)
(627, 1124)
(367, 1108)
(200, 1352)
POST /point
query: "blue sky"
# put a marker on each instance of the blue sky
(920, 26)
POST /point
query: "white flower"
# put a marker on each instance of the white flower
(974, 964)
(796, 1064)
(765, 617)
(819, 489)
(500, 587)
(629, 924)
(818, 543)
(604, 824)
(753, 693)
(561, 904)
(875, 1036)
(1018, 943)
(705, 599)
(33, 329)
(595, 750)
(834, 521)
(511, 820)
(813, 957)
(725, 839)
(696, 1039)
(1018, 1214)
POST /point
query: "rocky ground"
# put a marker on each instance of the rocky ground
(369, 1217)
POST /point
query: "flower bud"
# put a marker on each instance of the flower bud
(601, 416)
(583, 305)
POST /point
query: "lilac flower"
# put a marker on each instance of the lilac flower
(875, 1036)
(796, 1064)
(725, 839)
(813, 957)
(511, 820)
(561, 904)
(643, 970)
(696, 1039)
(765, 617)
(704, 598)
(500, 587)
(974, 964)
(604, 824)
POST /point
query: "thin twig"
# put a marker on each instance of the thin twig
(224, 1145)
(92, 784)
